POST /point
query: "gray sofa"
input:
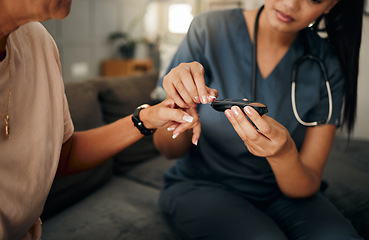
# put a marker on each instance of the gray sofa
(118, 200)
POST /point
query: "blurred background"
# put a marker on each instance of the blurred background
(125, 37)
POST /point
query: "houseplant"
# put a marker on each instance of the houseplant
(124, 44)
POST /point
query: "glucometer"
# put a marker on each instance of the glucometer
(224, 104)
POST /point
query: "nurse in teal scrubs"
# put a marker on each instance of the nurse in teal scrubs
(231, 180)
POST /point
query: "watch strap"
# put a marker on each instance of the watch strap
(139, 124)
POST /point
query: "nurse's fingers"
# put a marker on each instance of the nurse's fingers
(175, 90)
(197, 71)
(188, 74)
(247, 130)
(262, 125)
(240, 123)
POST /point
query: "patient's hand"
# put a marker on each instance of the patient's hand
(168, 115)
(185, 84)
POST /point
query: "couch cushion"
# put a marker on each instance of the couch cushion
(151, 172)
(122, 209)
(347, 174)
(84, 105)
(68, 190)
(121, 95)
(138, 152)
(119, 98)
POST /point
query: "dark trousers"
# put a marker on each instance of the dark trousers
(205, 210)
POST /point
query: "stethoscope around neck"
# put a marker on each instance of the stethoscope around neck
(307, 56)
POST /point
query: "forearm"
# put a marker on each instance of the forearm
(294, 178)
(172, 148)
(85, 150)
(91, 148)
(299, 173)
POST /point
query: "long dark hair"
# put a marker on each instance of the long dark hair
(343, 25)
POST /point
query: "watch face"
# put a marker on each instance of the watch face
(144, 106)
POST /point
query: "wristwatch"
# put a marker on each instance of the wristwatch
(139, 124)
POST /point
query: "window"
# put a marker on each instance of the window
(179, 17)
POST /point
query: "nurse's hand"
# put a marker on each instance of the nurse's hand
(185, 84)
(271, 139)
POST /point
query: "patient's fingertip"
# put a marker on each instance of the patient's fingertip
(175, 135)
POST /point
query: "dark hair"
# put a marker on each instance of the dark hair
(343, 24)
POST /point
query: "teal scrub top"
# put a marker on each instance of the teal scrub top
(220, 41)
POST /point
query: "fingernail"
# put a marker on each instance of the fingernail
(195, 142)
(203, 99)
(211, 98)
(228, 113)
(171, 128)
(175, 135)
(248, 110)
(187, 118)
(235, 110)
(196, 99)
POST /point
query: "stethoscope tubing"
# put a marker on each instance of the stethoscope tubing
(294, 108)
(293, 89)
(294, 77)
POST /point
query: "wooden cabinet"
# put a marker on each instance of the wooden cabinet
(124, 67)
